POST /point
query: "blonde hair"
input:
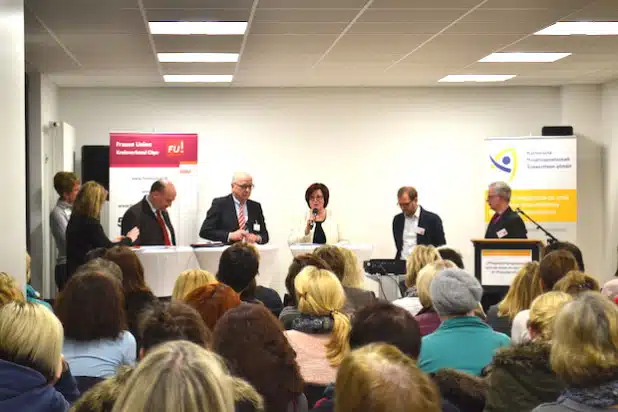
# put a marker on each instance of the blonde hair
(9, 290)
(526, 286)
(420, 256)
(32, 336)
(543, 312)
(353, 274)
(319, 292)
(380, 378)
(28, 268)
(189, 280)
(425, 276)
(576, 282)
(90, 199)
(183, 377)
(585, 338)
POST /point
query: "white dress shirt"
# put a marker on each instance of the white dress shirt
(409, 233)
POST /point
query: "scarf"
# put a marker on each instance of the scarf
(313, 324)
(602, 396)
(412, 292)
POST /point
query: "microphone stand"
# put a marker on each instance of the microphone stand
(550, 238)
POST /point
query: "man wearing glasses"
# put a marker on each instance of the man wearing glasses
(235, 218)
(506, 223)
(415, 225)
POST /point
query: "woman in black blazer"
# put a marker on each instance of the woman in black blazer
(84, 231)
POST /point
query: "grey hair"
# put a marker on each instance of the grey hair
(502, 190)
(239, 175)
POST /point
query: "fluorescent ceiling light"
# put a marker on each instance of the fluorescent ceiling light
(478, 78)
(587, 28)
(198, 57)
(198, 78)
(198, 27)
(523, 57)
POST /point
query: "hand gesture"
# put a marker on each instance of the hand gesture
(310, 223)
(133, 234)
(238, 235)
(252, 238)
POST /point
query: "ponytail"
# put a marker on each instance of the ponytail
(338, 346)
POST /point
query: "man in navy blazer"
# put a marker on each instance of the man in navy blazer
(415, 225)
(234, 218)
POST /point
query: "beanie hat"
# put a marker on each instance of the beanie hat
(455, 292)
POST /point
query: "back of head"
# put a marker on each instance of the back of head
(101, 266)
(554, 266)
(379, 378)
(383, 322)
(424, 278)
(102, 396)
(90, 199)
(585, 338)
(238, 266)
(353, 275)
(91, 307)
(420, 256)
(334, 258)
(31, 336)
(95, 253)
(173, 321)
(298, 263)
(189, 280)
(524, 288)
(212, 301)
(543, 312)
(576, 282)
(448, 253)
(9, 290)
(455, 292)
(131, 266)
(569, 247)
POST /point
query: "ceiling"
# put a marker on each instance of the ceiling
(312, 43)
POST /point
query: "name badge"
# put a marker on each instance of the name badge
(420, 230)
(502, 233)
(256, 227)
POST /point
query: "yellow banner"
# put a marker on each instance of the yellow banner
(543, 205)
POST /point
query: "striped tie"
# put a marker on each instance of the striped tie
(241, 217)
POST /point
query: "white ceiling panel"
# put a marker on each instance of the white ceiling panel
(425, 4)
(312, 4)
(97, 19)
(601, 10)
(573, 44)
(198, 15)
(368, 48)
(427, 28)
(571, 5)
(410, 15)
(289, 44)
(304, 15)
(296, 28)
(197, 4)
(197, 44)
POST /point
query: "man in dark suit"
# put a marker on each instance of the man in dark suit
(234, 217)
(151, 217)
(415, 225)
(505, 224)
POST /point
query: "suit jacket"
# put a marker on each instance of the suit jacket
(221, 220)
(509, 221)
(431, 222)
(150, 233)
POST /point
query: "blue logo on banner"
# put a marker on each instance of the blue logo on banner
(505, 161)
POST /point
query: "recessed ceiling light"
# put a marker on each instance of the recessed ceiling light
(198, 27)
(198, 78)
(587, 28)
(198, 57)
(523, 57)
(479, 78)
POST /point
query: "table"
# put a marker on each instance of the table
(163, 264)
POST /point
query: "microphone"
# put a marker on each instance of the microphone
(314, 212)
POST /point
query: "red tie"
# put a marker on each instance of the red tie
(166, 236)
(242, 220)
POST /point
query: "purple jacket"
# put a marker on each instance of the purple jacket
(428, 320)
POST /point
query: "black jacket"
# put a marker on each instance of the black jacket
(150, 233)
(221, 220)
(510, 222)
(431, 222)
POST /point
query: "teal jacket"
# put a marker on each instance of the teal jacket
(33, 296)
(465, 343)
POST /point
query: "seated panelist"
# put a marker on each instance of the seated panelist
(318, 225)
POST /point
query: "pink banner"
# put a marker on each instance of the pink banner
(152, 149)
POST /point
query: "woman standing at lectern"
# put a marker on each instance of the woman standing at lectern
(318, 225)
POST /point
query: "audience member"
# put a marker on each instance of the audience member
(428, 319)
(67, 187)
(520, 377)
(9, 290)
(526, 286)
(379, 377)
(33, 375)
(102, 267)
(189, 280)
(584, 355)
(463, 341)
(212, 301)
(181, 376)
(267, 296)
(252, 342)
(576, 282)
(355, 298)
(353, 276)
(448, 253)
(31, 294)
(610, 288)
(466, 392)
(320, 334)
(91, 309)
(102, 396)
(569, 247)
(96, 254)
(421, 256)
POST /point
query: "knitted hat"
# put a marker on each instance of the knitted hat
(455, 292)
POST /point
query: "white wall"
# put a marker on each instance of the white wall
(13, 153)
(610, 130)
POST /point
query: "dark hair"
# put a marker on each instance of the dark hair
(447, 253)
(211, 301)
(132, 269)
(314, 188)
(102, 267)
(387, 323)
(252, 341)
(173, 321)
(333, 257)
(95, 254)
(569, 247)
(554, 266)
(64, 182)
(466, 392)
(409, 190)
(91, 307)
(298, 263)
(238, 266)
(102, 396)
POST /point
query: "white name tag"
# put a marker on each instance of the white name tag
(420, 230)
(256, 227)
(502, 233)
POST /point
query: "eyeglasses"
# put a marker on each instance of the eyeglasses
(245, 187)
(316, 197)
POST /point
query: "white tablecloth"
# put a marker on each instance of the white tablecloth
(163, 264)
